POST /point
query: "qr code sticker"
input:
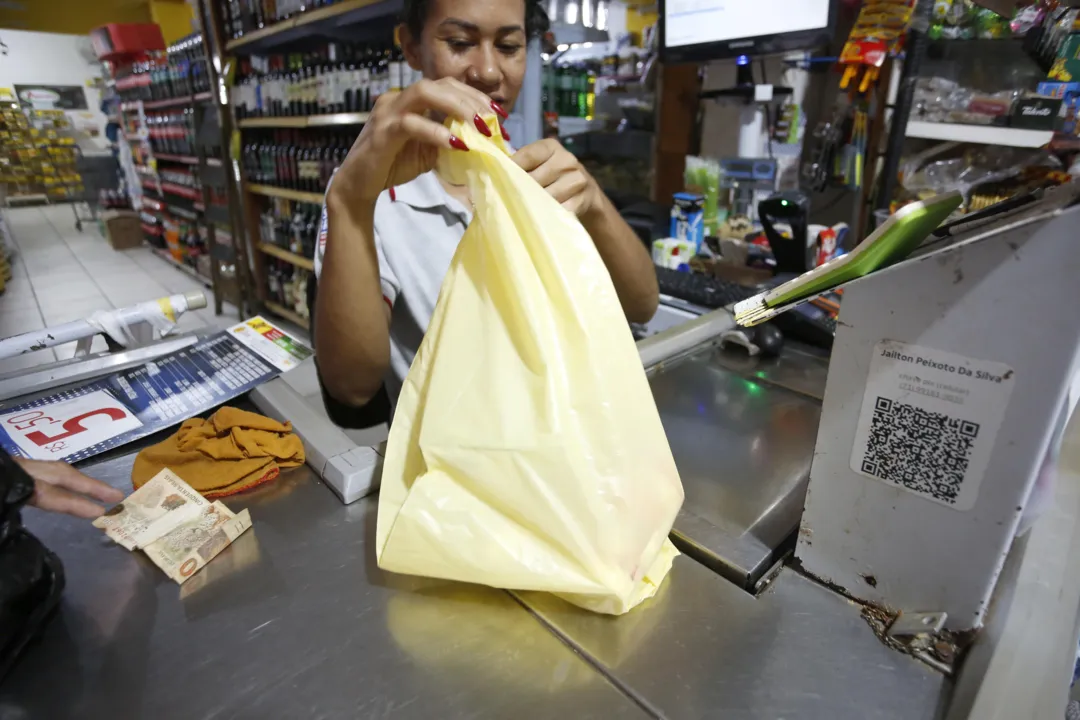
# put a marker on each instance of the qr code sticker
(922, 450)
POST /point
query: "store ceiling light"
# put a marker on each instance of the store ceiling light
(574, 22)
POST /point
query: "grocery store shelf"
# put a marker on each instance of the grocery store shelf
(337, 20)
(298, 196)
(180, 191)
(289, 315)
(35, 197)
(984, 134)
(186, 159)
(336, 119)
(289, 257)
(152, 204)
(181, 266)
(167, 103)
(183, 213)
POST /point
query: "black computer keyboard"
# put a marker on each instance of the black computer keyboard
(708, 292)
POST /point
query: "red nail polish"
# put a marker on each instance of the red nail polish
(458, 144)
(481, 125)
(498, 108)
(506, 135)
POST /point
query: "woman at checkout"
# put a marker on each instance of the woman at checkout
(391, 224)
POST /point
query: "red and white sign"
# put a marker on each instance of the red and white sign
(57, 430)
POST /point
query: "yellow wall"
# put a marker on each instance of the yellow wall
(76, 17)
(640, 14)
(173, 17)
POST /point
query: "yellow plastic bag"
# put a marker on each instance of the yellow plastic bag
(526, 451)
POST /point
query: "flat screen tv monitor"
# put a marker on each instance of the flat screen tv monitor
(701, 30)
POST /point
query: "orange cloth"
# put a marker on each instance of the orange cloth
(232, 451)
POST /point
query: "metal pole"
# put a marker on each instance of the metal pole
(916, 51)
(529, 110)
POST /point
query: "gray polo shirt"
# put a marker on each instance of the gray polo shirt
(418, 226)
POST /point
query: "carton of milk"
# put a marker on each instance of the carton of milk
(688, 219)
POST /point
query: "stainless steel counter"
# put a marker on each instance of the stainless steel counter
(743, 447)
(293, 621)
(702, 648)
(296, 621)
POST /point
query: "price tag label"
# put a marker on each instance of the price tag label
(60, 429)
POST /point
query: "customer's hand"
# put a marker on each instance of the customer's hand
(60, 488)
(404, 134)
(561, 174)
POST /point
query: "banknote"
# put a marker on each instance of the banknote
(153, 510)
(190, 546)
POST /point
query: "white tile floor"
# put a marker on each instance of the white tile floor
(61, 274)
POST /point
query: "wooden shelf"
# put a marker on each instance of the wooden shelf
(298, 196)
(290, 257)
(164, 255)
(289, 315)
(328, 21)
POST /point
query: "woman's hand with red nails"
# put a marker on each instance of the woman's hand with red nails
(60, 488)
(403, 136)
(561, 174)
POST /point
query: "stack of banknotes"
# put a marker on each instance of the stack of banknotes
(174, 525)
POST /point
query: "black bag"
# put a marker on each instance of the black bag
(31, 577)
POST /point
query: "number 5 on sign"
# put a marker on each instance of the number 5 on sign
(57, 430)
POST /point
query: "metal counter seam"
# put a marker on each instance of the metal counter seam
(633, 695)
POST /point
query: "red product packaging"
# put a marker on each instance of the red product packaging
(112, 42)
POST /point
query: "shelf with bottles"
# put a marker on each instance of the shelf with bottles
(167, 78)
(285, 292)
(257, 26)
(569, 90)
(288, 256)
(289, 230)
(293, 164)
(180, 242)
(172, 132)
(335, 84)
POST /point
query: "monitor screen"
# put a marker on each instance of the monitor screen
(696, 30)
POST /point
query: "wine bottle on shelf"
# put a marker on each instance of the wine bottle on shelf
(339, 82)
(396, 65)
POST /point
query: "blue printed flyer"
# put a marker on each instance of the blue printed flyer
(125, 406)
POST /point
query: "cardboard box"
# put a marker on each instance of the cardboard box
(1069, 94)
(1067, 66)
(122, 229)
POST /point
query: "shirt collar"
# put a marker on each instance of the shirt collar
(424, 192)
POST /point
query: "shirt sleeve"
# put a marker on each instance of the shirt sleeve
(387, 279)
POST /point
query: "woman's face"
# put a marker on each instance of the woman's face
(479, 42)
